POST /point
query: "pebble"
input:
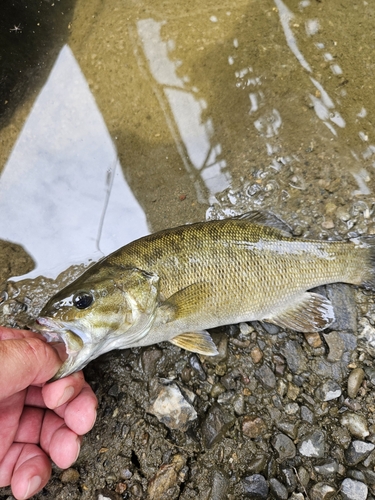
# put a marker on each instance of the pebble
(313, 445)
(69, 476)
(335, 345)
(353, 490)
(296, 496)
(289, 477)
(344, 305)
(253, 427)
(313, 339)
(238, 403)
(354, 381)
(266, 376)
(149, 360)
(366, 338)
(219, 486)
(216, 424)
(307, 415)
(327, 468)
(197, 367)
(256, 355)
(172, 409)
(322, 491)
(295, 356)
(357, 452)
(356, 424)
(328, 391)
(284, 446)
(255, 487)
(289, 428)
(278, 490)
(165, 478)
(221, 342)
(257, 464)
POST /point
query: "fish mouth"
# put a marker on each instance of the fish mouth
(55, 332)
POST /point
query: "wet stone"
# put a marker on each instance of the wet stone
(219, 486)
(357, 452)
(356, 474)
(366, 338)
(172, 409)
(197, 367)
(284, 446)
(307, 415)
(353, 490)
(165, 478)
(266, 376)
(295, 356)
(354, 381)
(336, 346)
(322, 491)
(216, 390)
(278, 490)
(149, 360)
(215, 425)
(253, 427)
(238, 403)
(328, 391)
(289, 478)
(255, 487)
(356, 424)
(313, 445)
(344, 305)
(257, 464)
(313, 339)
(289, 428)
(221, 342)
(271, 329)
(327, 468)
(256, 355)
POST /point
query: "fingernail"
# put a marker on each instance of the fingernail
(33, 486)
(67, 394)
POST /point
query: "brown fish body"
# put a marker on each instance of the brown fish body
(234, 271)
(175, 284)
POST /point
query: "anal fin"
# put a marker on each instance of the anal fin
(310, 313)
(200, 342)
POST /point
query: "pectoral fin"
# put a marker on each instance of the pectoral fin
(200, 342)
(311, 313)
(186, 302)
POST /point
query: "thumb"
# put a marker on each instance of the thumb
(24, 362)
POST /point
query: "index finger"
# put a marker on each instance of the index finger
(15, 333)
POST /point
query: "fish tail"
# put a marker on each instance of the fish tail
(363, 271)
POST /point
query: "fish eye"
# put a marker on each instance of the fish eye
(82, 300)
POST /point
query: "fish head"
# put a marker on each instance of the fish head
(108, 307)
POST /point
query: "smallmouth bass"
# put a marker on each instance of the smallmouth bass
(175, 284)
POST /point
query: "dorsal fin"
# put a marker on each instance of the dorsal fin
(266, 219)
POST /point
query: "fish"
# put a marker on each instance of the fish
(176, 284)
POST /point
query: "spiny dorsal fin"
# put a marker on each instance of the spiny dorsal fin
(311, 313)
(266, 219)
(185, 302)
(200, 342)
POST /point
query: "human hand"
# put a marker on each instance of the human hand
(38, 423)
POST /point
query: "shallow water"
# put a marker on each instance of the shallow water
(150, 115)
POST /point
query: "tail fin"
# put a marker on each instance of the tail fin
(365, 249)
